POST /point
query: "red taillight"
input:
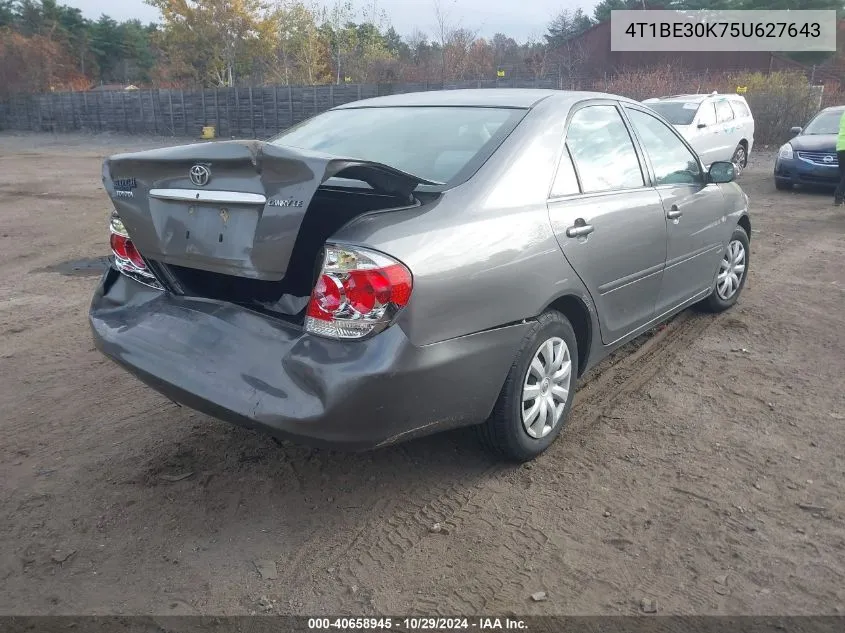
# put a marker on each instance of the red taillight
(325, 300)
(135, 256)
(123, 248)
(127, 259)
(365, 289)
(400, 283)
(358, 293)
(118, 245)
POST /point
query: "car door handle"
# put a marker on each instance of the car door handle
(674, 213)
(579, 230)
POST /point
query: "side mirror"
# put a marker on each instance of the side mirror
(722, 171)
(701, 125)
(795, 130)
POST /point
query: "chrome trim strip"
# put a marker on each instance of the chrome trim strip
(817, 158)
(127, 268)
(222, 197)
(630, 279)
(656, 320)
(704, 250)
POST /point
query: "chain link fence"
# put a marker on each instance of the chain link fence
(259, 112)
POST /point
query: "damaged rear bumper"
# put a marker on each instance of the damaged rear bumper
(259, 372)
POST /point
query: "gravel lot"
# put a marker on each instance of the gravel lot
(701, 469)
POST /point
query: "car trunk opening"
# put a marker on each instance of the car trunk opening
(245, 222)
(329, 210)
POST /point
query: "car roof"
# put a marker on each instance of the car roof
(479, 97)
(838, 108)
(700, 98)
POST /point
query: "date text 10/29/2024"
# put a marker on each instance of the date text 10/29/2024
(417, 624)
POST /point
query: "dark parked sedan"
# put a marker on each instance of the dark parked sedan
(413, 263)
(810, 157)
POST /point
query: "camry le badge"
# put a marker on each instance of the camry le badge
(200, 175)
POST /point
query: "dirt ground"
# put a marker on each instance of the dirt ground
(702, 468)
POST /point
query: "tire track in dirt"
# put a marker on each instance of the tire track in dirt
(524, 541)
(696, 597)
(385, 542)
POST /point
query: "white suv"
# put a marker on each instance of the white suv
(719, 127)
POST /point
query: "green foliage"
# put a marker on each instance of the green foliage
(394, 43)
(772, 82)
(768, 5)
(104, 50)
(602, 11)
(567, 25)
(250, 42)
(216, 42)
(106, 46)
(772, 5)
(7, 13)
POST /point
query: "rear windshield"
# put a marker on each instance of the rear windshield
(443, 144)
(824, 123)
(676, 112)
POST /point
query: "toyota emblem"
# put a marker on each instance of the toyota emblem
(200, 175)
(828, 159)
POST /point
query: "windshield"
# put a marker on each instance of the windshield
(676, 112)
(824, 123)
(431, 142)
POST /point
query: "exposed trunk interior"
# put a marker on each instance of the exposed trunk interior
(236, 208)
(329, 209)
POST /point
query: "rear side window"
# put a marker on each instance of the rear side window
(566, 182)
(707, 114)
(724, 112)
(740, 109)
(602, 150)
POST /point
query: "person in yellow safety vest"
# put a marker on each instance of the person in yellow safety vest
(839, 195)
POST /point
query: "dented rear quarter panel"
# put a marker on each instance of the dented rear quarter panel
(484, 254)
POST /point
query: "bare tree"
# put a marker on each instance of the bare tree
(340, 14)
(455, 42)
(444, 27)
(565, 47)
(537, 56)
(571, 60)
(457, 51)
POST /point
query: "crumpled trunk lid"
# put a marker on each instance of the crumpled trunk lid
(231, 207)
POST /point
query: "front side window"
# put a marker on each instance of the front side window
(724, 112)
(602, 150)
(707, 114)
(431, 142)
(672, 161)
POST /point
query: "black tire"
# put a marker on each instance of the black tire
(782, 185)
(714, 302)
(503, 433)
(740, 158)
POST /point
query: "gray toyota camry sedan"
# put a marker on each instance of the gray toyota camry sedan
(408, 264)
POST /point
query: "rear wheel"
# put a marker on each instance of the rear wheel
(740, 158)
(536, 398)
(733, 270)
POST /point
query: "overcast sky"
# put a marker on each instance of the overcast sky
(517, 19)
